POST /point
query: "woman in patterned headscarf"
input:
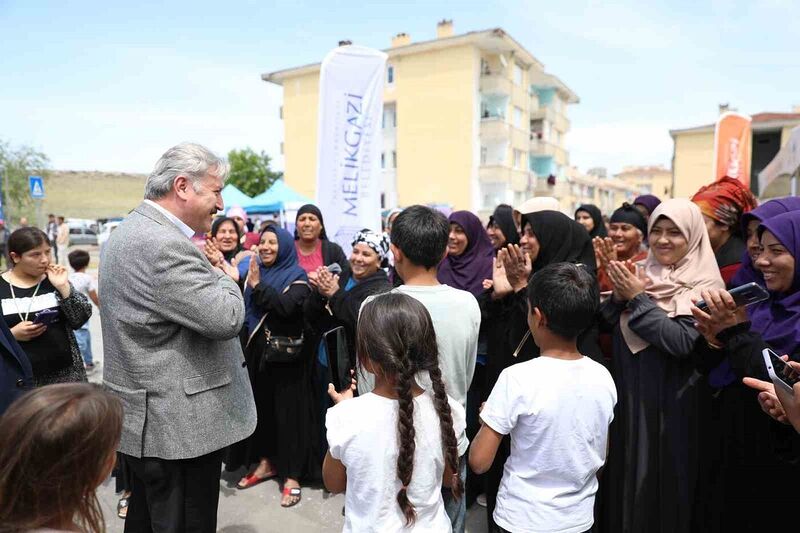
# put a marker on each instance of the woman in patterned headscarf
(723, 203)
(336, 301)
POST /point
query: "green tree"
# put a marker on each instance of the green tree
(17, 164)
(250, 172)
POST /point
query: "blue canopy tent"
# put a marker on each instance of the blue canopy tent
(233, 197)
(276, 199)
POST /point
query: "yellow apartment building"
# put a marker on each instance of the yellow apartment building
(655, 180)
(693, 155)
(469, 121)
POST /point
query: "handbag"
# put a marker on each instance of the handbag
(278, 348)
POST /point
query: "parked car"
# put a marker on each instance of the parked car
(108, 227)
(82, 236)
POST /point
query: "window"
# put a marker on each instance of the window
(390, 75)
(280, 112)
(484, 155)
(518, 159)
(517, 117)
(517, 74)
(394, 159)
(281, 148)
(394, 118)
(383, 160)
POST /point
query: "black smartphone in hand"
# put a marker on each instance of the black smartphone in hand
(743, 295)
(45, 317)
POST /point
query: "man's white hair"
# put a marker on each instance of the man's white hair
(186, 159)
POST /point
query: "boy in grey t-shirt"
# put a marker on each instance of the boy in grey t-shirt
(419, 242)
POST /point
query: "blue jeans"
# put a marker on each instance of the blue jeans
(84, 338)
(457, 509)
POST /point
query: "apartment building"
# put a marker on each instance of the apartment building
(469, 121)
(654, 179)
(693, 155)
(574, 188)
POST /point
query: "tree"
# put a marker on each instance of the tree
(250, 172)
(17, 164)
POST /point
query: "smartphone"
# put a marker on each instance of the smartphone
(782, 375)
(743, 295)
(45, 316)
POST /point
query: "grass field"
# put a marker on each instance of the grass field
(79, 194)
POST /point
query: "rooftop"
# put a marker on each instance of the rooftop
(765, 120)
(495, 40)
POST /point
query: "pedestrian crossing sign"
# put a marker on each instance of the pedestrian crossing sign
(36, 184)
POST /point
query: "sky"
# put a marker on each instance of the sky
(111, 85)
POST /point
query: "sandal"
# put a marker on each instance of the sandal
(122, 508)
(251, 480)
(292, 491)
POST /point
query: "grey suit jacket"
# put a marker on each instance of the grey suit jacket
(171, 347)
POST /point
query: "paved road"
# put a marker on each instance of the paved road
(256, 510)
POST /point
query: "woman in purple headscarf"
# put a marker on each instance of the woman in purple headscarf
(469, 254)
(646, 204)
(467, 264)
(750, 221)
(753, 447)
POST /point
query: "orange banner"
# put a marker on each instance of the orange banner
(732, 147)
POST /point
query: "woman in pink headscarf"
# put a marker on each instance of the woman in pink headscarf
(652, 469)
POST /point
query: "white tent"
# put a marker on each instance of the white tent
(785, 166)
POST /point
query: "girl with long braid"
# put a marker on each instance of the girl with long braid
(393, 479)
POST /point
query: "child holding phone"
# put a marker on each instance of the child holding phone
(395, 447)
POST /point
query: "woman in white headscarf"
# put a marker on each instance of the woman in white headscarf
(652, 471)
(335, 302)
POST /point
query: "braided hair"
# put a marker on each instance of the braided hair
(395, 332)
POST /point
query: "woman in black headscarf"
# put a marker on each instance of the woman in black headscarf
(313, 248)
(226, 237)
(547, 237)
(590, 217)
(501, 228)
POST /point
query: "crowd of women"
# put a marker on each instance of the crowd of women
(689, 442)
(692, 446)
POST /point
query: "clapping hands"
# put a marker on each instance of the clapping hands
(517, 266)
(604, 251)
(628, 280)
(327, 284)
(212, 252)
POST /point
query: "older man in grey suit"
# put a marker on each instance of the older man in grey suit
(172, 353)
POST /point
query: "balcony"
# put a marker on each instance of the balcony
(495, 84)
(495, 127)
(540, 148)
(494, 174)
(558, 120)
(518, 180)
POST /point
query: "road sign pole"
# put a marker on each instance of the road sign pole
(6, 203)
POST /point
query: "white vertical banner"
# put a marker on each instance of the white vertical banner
(349, 141)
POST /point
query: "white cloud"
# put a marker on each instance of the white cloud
(617, 144)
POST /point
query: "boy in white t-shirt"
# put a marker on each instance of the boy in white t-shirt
(86, 284)
(557, 409)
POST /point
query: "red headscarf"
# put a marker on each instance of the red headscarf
(725, 201)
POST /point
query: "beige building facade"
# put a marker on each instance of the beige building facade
(470, 121)
(693, 156)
